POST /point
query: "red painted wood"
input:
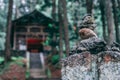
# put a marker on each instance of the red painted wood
(34, 45)
(34, 41)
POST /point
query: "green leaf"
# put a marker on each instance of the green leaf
(27, 74)
(14, 58)
(1, 59)
(49, 25)
(48, 73)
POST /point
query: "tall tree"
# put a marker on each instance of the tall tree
(9, 23)
(76, 16)
(54, 9)
(89, 5)
(118, 1)
(65, 23)
(102, 9)
(110, 21)
(115, 12)
(60, 30)
(54, 18)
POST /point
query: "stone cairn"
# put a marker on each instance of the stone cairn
(91, 58)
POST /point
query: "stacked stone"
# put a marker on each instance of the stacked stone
(91, 58)
(88, 22)
(79, 67)
(89, 40)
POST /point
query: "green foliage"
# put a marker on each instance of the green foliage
(1, 60)
(76, 9)
(2, 40)
(47, 42)
(50, 25)
(14, 60)
(27, 74)
(55, 59)
(4, 67)
(17, 60)
(48, 72)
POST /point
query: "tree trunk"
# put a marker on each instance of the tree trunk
(61, 40)
(60, 31)
(65, 23)
(89, 5)
(110, 21)
(118, 1)
(102, 9)
(116, 20)
(9, 24)
(54, 9)
(54, 18)
(76, 17)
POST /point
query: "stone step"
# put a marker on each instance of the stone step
(37, 70)
(35, 61)
(37, 73)
(45, 79)
(38, 76)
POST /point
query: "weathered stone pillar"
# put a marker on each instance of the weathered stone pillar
(85, 66)
(79, 67)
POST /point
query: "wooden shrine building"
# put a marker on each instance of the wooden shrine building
(27, 34)
(29, 31)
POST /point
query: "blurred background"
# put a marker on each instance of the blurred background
(50, 28)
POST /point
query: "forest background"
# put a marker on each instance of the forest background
(69, 14)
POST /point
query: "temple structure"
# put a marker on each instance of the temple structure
(29, 31)
(28, 34)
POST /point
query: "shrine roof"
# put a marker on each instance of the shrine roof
(32, 18)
